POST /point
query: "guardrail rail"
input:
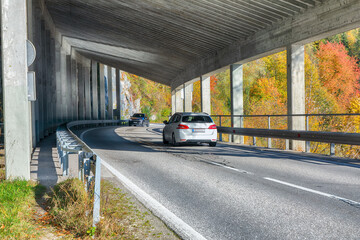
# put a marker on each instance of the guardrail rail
(88, 161)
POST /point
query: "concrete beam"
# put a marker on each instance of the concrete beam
(326, 19)
(14, 74)
(296, 92)
(205, 94)
(237, 101)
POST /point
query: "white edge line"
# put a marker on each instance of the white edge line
(172, 221)
(351, 202)
(175, 223)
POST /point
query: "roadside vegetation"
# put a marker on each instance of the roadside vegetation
(27, 212)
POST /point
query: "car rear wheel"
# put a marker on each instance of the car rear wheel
(164, 140)
(173, 140)
(212, 144)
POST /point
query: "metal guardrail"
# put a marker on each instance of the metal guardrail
(305, 135)
(89, 162)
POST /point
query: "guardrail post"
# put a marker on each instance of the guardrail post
(307, 143)
(269, 127)
(220, 134)
(81, 165)
(254, 141)
(87, 169)
(332, 149)
(96, 211)
(65, 163)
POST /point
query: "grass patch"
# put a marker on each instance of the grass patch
(71, 209)
(16, 212)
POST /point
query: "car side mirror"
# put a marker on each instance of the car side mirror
(165, 122)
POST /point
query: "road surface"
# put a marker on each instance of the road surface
(237, 192)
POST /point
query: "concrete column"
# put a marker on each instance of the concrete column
(87, 88)
(68, 95)
(94, 82)
(38, 69)
(296, 92)
(173, 102)
(53, 84)
(58, 82)
(102, 91)
(47, 73)
(63, 76)
(14, 74)
(188, 97)
(179, 96)
(81, 90)
(110, 93)
(237, 102)
(118, 94)
(74, 90)
(205, 94)
(45, 79)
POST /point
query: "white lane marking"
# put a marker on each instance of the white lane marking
(83, 133)
(175, 223)
(227, 167)
(351, 202)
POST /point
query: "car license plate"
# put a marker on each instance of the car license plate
(198, 130)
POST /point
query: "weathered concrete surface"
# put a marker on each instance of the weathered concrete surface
(173, 42)
(205, 94)
(296, 91)
(237, 99)
(14, 78)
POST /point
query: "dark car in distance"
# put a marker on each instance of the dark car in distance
(139, 119)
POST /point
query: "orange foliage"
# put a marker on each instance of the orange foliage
(338, 72)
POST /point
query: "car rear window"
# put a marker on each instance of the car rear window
(189, 119)
(139, 115)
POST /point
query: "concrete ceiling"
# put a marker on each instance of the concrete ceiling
(160, 39)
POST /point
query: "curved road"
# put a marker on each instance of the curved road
(237, 192)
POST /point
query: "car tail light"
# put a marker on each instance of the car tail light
(212, 126)
(182, 126)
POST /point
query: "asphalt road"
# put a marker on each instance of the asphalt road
(237, 192)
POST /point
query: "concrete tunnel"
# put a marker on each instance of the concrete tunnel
(171, 42)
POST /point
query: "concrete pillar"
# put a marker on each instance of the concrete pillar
(237, 102)
(53, 84)
(173, 102)
(205, 94)
(63, 75)
(74, 90)
(81, 90)
(296, 92)
(118, 94)
(14, 74)
(58, 82)
(179, 96)
(45, 79)
(110, 93)
(38, 69)
(102, 91)
(87, 88)
(188, 97)
(94, 82)
(68, 97)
